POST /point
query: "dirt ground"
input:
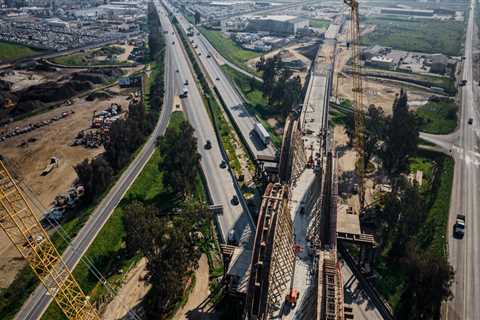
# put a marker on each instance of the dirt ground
(196, 307)
(379, 93)
(346, 167)
(130, 295)
(22, 79)
(29, 161)
(291, 53)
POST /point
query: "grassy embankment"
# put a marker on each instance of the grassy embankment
(107, 252)
(319, 23)
(256, 102)
(229, 49)
(438, 117)
(11, 51)
(429, 36)
(438, 175)
(88, 58)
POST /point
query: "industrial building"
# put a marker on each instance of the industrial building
(280, 24)
(407, 12)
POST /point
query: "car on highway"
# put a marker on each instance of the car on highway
(470, 121)
(186, 83)
(173, 42)
(459, 227)
(218, 79)
(177, 71)
(208, 145)
(463, 82)
(223, 164)
(232, 238)
(235, 200)
(208, 55)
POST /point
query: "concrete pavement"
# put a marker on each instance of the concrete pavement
(220, 181)
(243, 119)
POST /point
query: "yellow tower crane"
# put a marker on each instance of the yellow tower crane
(357, 88)
(29, 237)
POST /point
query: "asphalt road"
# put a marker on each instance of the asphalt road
(221, 184)
(244, 120)
(38, 301)
(464, 254)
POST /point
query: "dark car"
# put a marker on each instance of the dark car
(208, 145)
(232, 239)
(235, 200)
(470, 121)
(223, 164)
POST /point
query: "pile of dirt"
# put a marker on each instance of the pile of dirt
(100, 95)
(97, 76)
(16, 103)
(309, 51)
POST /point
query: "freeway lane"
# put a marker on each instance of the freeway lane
(235, 103)
(221, 184)
(38, 302)
(464, 254)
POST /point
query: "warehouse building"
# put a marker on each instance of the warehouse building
(407, 12)
(281, 24)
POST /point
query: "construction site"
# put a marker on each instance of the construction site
(43, 146)
(307, 253)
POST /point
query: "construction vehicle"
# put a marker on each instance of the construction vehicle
(53, 163)
(29, 237)
(292, 298)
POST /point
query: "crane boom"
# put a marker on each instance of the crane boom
(30, 238)
(357, 88)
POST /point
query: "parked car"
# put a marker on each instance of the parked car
(235, 200)
(223, 164)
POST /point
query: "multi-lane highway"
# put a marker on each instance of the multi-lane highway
(464, 254)
(234, 102)
(38, 302)
(221, 184)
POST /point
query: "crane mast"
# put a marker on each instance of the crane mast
(357, 88)
(25, 231)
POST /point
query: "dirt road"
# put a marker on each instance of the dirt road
(195, 308)
(130, 295)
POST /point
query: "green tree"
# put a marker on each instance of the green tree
(197, 17)
(428, 284)
(181, 161)
(401, 138)
(95, 175)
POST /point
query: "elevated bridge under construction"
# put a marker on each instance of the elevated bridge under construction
(295, 273)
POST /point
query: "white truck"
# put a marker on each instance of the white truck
(184, 92)
(262, 133)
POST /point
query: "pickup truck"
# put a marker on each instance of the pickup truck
(459, 226)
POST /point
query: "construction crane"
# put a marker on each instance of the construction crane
(30, 238)
(357, 88)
